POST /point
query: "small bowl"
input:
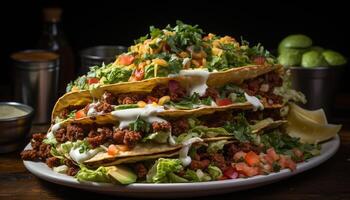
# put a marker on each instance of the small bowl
(13, 131)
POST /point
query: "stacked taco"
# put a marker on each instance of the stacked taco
(178, 107)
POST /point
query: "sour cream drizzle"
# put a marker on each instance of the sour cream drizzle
(186, 145)
(147, 113)
(198, 83)
(81, 157)
(257, 105)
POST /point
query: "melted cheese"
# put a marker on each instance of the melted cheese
(186, 145)
(198, 83)
(257, 105)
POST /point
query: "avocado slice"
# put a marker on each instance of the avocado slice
(312, 59)
(122, 174)
(334, 58)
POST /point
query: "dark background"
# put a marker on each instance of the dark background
(89, 23)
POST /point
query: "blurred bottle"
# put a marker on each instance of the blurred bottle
(53, 39)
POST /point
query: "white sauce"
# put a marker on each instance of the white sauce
(198, 83)
(81, 157)
(183, 154)
(92, 111)
(257, 105)
(147, 113)
(185, 61)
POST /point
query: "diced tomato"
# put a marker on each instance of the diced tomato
(259, 60)
(151, 99)
(126, 59)
(287, 162)
(244, 169)
(93, 80)
(271, 153)
(239, 155)
(223, 102)
(80, 114)
(252, 158)
(139, 74)
(112, 150)
(231, 173)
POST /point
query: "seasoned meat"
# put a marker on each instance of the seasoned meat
(44, 151)
(141, 170)
(72, 171)
(29, 155)
(60, 135)
(179, 126)
(99, 137)
(161, 126)
(160, 91)
(104, 107)
(211, 92)
(127, 137)
(108, 98)
(131, 137)
(39, 137)
(218, 160)
(177, 92)
(74, 132)
(203, 164)
(53, 162)
(129, 98)
(118, 136)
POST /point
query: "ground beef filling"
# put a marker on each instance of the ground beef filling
(264, 86)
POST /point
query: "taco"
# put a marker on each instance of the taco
(165, 52)
(179, 96)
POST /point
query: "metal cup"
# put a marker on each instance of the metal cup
(320, 85)
(36, 81)
(99, 54)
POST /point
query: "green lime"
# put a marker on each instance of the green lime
(334, 58)
(312, 59)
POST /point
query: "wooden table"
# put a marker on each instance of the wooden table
(331, 180)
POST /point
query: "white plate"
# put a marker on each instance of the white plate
(173, 190)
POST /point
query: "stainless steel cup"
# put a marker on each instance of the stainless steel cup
(99, 54)
(36, 81)
(320, 85)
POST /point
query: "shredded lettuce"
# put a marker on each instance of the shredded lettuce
(162, 168)
(214, 147)
(157, 137)
(50, 139)
(214, 172)
(196, 176)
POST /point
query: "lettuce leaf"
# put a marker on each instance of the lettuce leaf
(214, 172)
(157, 137)
(214, 147)
(162, 168)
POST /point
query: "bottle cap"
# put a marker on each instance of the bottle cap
(52, 14)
